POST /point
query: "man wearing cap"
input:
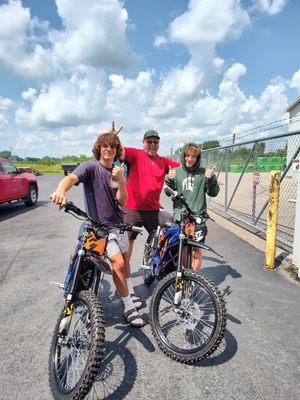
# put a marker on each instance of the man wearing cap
(146, 178)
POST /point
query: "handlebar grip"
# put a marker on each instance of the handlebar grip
(170, 191)
(69, 206)
(137, 229)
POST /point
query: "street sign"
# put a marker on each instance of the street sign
(255, 178)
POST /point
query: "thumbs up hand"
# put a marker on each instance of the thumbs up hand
(172, 173)
(209, 173)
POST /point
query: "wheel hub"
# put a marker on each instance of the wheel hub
(190, 314)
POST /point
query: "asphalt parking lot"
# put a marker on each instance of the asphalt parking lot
(258, 359)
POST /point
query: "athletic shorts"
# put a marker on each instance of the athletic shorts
(149, 219)
(117, 242)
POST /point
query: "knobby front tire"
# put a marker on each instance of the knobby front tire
(75, 362)
(193, 330)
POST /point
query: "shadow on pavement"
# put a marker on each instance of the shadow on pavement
(113, 314)
(114, 381)
(219, 273)
(118, 371)
(225, 352)
(10, 210)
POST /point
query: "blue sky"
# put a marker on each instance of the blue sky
(196, 69)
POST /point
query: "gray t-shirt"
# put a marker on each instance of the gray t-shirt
(99, 197)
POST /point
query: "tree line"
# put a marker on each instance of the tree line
(46, 160)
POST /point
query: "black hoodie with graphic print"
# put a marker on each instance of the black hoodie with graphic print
(193, 184)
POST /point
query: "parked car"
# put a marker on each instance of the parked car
(16, 184)
(69, 167)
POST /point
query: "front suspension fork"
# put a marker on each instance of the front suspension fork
(65, 322)
(178, 282)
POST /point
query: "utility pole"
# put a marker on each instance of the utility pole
(233, 138)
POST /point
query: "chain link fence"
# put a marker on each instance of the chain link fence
(243, 172)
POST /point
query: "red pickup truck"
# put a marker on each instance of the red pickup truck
(16, 184)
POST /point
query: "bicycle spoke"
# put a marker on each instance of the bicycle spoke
(72, 357)
(192, 325)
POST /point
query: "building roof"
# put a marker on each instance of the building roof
(292, 105)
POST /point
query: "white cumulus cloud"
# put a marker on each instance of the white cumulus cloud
(29, 94)
(3, 122)
(64, 102)
(94, 35)
(204, 25)
(21, 49)
(159, 40)
(6, 104)
(176, 90)
(235, 72)
(295, 81)
(129, 99)
(270, 7)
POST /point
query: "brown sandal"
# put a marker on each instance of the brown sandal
(129, 317)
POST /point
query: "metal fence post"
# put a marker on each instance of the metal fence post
(272, 219)
(226, 178)
(296, 248)
(254, 185)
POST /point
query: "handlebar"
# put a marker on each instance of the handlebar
(170, 191)
(175, 195)
(122, 227)
(129, 228)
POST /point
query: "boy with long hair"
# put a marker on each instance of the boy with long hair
(102, 202)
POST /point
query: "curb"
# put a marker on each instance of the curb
(284, 261)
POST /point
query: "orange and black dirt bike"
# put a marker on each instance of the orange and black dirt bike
(78, 340)
(187, 311)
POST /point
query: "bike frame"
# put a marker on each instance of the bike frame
(190, 244)
(100, 267)
(83, 253)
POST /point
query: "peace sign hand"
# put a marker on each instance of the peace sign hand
(113, 129)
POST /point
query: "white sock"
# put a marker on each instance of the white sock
(129, 285)
(132, 294)
(128, 303)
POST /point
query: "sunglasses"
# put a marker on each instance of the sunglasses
(152, 142)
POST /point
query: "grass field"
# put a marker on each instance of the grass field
(45, 169)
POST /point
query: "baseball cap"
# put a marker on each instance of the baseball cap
(151, 133)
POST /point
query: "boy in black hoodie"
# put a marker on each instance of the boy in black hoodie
(194, 182)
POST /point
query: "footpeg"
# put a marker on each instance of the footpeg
(147, 267)
(60, 285)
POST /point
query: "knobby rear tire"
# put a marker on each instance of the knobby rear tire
(88, 300)
(160, 332)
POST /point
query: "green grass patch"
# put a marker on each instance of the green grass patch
(45, 169)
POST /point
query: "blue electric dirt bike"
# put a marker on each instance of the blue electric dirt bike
(187, 311)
